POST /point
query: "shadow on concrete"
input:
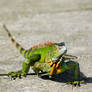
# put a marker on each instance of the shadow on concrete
(64, 77)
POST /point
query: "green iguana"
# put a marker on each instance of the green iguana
(49, 57)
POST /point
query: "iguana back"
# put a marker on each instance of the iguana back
(37, 49)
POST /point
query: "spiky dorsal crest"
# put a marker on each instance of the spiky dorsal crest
(48, 43)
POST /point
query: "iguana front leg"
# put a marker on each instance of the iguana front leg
(71, 65)
(25, 67)
(67, 57)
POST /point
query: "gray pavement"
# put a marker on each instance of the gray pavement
(36, 21)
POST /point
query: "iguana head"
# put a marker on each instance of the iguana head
(62, 47)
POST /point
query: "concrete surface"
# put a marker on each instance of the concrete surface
(36, 21)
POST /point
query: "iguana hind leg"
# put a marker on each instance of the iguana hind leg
(23, 72)
(25, 67)
(38, 66)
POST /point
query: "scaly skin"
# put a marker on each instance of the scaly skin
(49, 57)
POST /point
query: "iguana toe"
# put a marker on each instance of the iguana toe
(14, 75)
(76, 83)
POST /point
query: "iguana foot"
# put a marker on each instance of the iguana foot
(76, 83)
(14, 75)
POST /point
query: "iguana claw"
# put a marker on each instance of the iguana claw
(14, 75)
(76, 83)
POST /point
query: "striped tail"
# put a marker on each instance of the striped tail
(18, 46)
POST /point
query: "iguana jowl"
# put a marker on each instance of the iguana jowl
(49, 57)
